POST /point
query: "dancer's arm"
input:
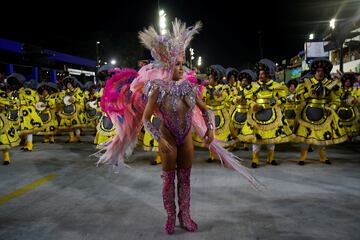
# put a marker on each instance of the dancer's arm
(209, 135)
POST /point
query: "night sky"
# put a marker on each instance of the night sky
(230, 35)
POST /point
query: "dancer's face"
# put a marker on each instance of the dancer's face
(319, 74)
(69, 85)
(263, 76)
(244, 82)
(292, 88)
(232, 80)
(45, 93)
(347, 83)
(179, 69)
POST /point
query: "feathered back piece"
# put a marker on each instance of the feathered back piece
(166, 48)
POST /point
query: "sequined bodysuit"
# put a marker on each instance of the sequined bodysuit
(175, 104)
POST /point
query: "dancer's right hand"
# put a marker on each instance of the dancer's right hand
(165, 146)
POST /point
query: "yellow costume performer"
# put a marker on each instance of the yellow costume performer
(347, 111)
(8, 133)
(318, 122)
(47, 111)
(290, 110)
(216, 96)
(265, 123)
(90, 105)
(30, 121)
(241, 104)
(105, 130)
(71, 100)
(233, 91)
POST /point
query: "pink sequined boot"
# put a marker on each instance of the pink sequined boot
(168, 193)
(183, 187)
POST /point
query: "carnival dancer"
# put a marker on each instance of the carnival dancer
(71, 100)
(46, 108)
(241, 103)
(216, 97)
(347, 109)
(105, 129)
(290, 109)
(318, 122)
(265, 124)
(8, 133)
(175, 98)
(30, 122)
(90, 106)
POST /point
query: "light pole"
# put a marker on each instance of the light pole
(199, 63)
(332, 23)
(97, 56)
(191, 56)
(162, 22)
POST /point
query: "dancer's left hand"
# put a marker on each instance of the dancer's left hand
(209, 136)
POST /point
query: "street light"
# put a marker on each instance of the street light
(192, 56)
(113, 61)
(332, 23)
(162, 22)
(97, 54)
(199, 61)
(311, 36)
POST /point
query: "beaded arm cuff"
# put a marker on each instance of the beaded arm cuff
(207, 115)
(154, 132)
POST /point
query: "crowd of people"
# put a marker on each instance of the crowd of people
(47, 109)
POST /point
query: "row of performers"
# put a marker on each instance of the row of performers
(251, 109)
(27, 108)
(254, 110)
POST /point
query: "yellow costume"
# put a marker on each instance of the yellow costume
(13, 109)
(348, 107)
(290, 109)
(318, 122)
(48, 116)
(238, 113)
(266, 126)
(30, 122)
(70, 109)
(216, 98)
(90, 113)
(8, 133)
(105, 131)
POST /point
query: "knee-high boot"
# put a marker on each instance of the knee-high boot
(168, 193)
(183, 187)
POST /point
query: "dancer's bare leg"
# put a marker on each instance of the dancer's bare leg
(185, 153)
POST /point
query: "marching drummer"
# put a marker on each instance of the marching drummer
(46, 108)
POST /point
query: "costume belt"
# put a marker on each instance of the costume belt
(318, 101)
